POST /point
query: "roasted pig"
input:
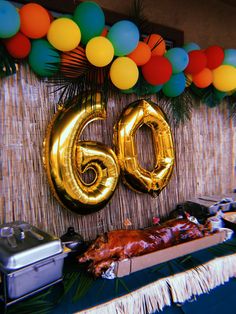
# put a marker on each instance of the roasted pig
(120, 244)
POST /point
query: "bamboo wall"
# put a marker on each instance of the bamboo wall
(205, 156)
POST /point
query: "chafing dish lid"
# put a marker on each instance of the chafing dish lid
(22, 244)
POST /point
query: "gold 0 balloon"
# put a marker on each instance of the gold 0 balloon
(66, 158)
(137, 178)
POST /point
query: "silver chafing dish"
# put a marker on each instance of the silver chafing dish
(30, 260)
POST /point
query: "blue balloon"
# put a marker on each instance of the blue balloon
(175, 86)
(230, 57)
(178, 58)
(91, 20)
(191, 46)
(44, 60)
(124, 36)
(9, 19)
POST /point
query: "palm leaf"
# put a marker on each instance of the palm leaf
(84, 285)
(179, 108)
(36, 305)
(231, 102)
(8, 65)
(137, 16)
(119, 282)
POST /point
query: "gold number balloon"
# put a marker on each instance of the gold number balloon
(66, 158)
(137, 178)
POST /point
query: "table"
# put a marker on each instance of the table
(82, 294)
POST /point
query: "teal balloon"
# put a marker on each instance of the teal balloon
(230, 57)
(152, 89)
(175, 86)
(44, 60)
(178, 58)
(9, 19)
(124, 36)
(191, 46)
(91, 20)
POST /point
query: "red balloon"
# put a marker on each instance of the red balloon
(18, 46)
(197, 62)
(215, 56)
(157, 70)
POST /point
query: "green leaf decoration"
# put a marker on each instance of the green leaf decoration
(37, 305)
(231, 102)
(8, 66)
(119, 282)
(179, 108)
(84, 285)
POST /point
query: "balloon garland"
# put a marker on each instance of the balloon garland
(118, 54)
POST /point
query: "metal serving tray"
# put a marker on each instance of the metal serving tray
(22, 244)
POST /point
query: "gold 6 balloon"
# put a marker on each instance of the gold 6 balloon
(66, 158)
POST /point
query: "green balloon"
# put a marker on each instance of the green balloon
(91, 20)
(44, 60)
(128, 91)
(219, 95)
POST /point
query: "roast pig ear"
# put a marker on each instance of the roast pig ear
(104, 237)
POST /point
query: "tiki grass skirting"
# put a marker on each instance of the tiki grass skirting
(205, 155)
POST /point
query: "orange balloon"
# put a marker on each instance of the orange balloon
(34, 20)
(74, 63)
(203, 79)
(141, 54)
(156, 43)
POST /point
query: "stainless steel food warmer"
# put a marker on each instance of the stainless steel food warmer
(30, 260)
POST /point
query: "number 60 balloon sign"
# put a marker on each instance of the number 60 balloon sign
(66, 157)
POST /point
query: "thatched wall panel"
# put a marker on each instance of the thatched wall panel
(205, 149)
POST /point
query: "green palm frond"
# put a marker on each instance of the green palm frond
(84, 284)
(137, 16)
(37, 304)
(8, 65)
(118, 282)
(231, 102)
(92, 81)
(179, 109)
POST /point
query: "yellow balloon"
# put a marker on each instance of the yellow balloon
(124, 73)
(224, 78)
(64, 34)
(99, 51)
(134, 176)
(66, 158)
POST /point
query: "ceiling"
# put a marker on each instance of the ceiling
(230, 2)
